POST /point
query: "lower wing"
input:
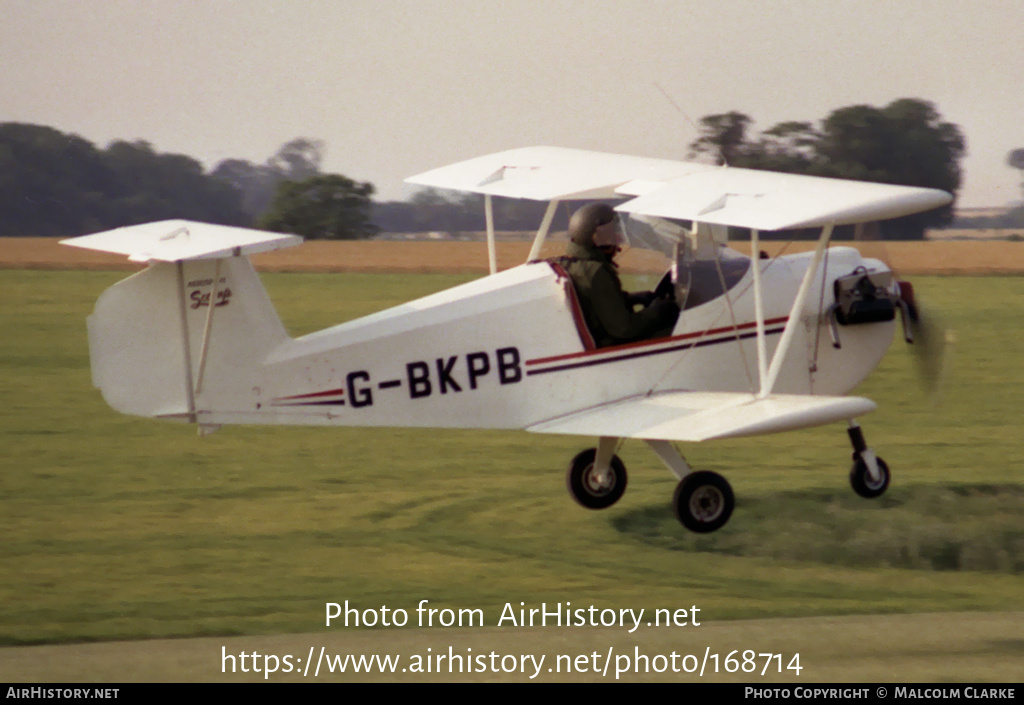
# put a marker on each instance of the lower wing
(703, 416)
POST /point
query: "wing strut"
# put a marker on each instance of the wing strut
(206, 330)
(768, 383)
(492, 256)
(542, 233)
(185, 343)
(762, 347)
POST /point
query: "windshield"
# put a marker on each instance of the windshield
(703, 268)
(698, 281)
(656, 234)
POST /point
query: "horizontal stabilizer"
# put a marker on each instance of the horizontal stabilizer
(703, 416)
(749, 198)
(177, 240)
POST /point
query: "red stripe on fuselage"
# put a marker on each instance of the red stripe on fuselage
(313, 395)
(657, 341)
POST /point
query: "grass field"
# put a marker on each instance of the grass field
(122, 529)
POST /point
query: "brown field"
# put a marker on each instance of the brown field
(945, 257)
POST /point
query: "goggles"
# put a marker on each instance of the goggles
(609, 235)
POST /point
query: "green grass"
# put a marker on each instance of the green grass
(122, 528)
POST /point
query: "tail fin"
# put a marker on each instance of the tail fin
(186, 335)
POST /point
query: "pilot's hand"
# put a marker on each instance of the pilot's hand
(641, 298)
(665, 310)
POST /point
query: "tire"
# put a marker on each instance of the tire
(703, 501)
(862, 483)
(583, 485)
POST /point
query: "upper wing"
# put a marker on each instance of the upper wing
(703, 416)
(750, 198)
(767, 200)
(553, 173)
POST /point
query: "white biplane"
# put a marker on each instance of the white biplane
(760, 345)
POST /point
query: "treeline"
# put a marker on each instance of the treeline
(1012, 218)
(56, 184)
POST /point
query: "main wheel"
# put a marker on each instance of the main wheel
(703, 501)
(587, 488)
(861, 480)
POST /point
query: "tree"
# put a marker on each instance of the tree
(254, 183)
(723, 136)
(325, 206)
(51, 184)
(296, 160)
(1016, 160)
(152, 186)
(446, 211)
(56, 184)
(906, 143)
(789, 147)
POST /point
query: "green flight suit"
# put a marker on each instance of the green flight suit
(606, 307)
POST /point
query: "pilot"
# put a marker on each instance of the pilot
(611, 314)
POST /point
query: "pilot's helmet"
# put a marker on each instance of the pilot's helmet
(595, 224)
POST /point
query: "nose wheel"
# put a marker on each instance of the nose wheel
(869, 475)
(862, 481)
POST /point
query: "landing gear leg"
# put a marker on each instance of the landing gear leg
(869, 475)
(672, 458)
(703, 500)
(596, 477)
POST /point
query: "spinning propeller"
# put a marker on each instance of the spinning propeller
(929, 339)
(921, 327)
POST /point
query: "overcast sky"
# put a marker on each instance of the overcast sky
(396, 87)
